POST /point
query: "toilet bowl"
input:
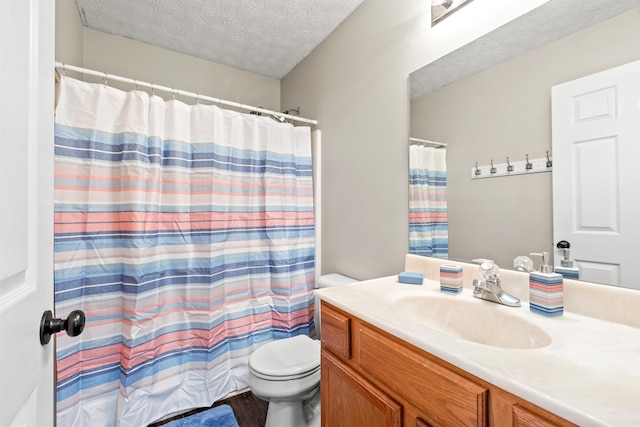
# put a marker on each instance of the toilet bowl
(286, 373)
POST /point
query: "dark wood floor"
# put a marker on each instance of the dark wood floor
(248, 409)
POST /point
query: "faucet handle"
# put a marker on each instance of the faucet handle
(490, 271)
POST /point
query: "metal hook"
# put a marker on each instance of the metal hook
(509, 166)
(104, 80)
(529, 165)
(174, 93)
(153, 90)
(493, 169)
(63, 70)
(549, 161)
(135, 85)
(478, 172)
(198, 98)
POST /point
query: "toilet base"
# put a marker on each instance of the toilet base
(282, 414)
(311, 409)
(295, 413)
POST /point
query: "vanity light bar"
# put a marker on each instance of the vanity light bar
(511, 168)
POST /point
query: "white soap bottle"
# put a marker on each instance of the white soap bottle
(546, 290)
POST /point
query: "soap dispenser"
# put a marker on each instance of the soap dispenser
(546, 290)
(566, 267)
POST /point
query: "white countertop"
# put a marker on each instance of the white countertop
(589, 374)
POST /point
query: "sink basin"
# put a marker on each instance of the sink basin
(473, 320)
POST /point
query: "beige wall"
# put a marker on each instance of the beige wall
(117, 55)
(69, 33)
(136, 60)
(506, 111)
(356, 84)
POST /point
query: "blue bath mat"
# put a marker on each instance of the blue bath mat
(220, 416)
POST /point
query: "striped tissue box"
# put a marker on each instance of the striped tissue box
(451, 278)
(546, 294)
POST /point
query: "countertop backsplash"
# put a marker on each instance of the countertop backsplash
(610, 303)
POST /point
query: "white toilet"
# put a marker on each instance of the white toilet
(286, 373)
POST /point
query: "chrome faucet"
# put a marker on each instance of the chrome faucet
(489, 289)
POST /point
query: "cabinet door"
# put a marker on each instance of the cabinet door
(349, 400)
(525, 418)
(422, 423)
(336, 330)
(444, 397)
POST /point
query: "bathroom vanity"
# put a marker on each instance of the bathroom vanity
(408, 355)
(371, 378)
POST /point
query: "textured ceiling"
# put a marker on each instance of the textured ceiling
(267, 37)
(550, 21)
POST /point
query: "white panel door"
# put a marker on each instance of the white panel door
(596, 181)
(26, 210)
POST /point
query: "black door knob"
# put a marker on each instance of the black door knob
(74, 325)
(563, 244)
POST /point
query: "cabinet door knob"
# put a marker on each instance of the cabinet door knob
(74, 325)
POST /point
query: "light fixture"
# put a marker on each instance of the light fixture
(440, 9)
(445, 3)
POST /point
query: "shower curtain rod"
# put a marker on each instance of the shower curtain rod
(424, 141)
(175, 92)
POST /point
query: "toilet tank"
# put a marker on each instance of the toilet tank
(328, 281)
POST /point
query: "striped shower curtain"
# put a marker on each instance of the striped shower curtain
(185, 233)
(428, 226)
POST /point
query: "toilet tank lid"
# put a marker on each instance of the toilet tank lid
(333, 279)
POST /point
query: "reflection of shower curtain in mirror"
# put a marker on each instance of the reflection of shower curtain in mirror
(185, 233)
(428, 226)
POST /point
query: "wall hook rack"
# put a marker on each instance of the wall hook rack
(512, 168)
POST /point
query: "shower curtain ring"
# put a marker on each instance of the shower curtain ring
(153, 90)
(104, 79)
(198, 98)
(135, 85)
(64, 69)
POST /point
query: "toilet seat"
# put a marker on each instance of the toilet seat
(284, 377)
(286, 359)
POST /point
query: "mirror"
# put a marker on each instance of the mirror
(491, 100)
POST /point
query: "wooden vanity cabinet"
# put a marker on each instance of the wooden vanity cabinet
(351, 400)
(371, 378)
